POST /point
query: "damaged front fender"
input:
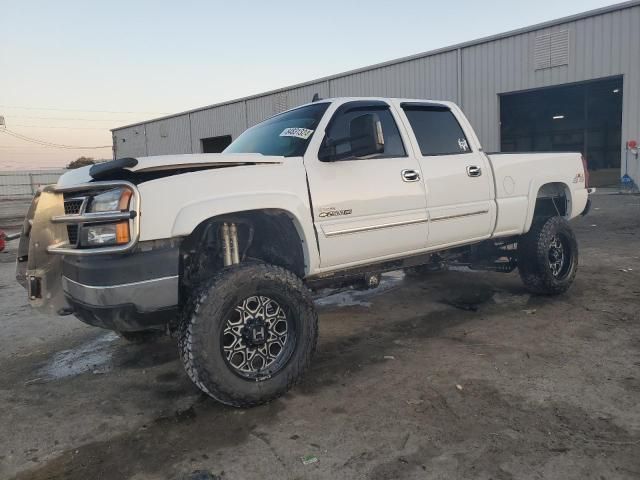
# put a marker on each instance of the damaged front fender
(37, 270)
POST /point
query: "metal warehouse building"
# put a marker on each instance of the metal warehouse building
(571, 84)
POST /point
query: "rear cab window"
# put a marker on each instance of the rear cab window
(436, 129)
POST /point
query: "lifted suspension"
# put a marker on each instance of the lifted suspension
(231, 253)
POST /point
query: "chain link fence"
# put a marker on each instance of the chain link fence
(23, 184)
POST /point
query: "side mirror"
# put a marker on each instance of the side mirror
(366, 136)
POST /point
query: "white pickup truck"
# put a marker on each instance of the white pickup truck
(220, 250)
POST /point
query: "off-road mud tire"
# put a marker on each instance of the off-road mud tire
(206, 314)
(533, 256)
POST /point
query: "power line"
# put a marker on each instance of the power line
(47, 143)
(13, 153)
(75, 110)
(50, 144)
(20, 147)
(71, 119)
(68, 128)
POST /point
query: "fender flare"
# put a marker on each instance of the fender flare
(193, 214)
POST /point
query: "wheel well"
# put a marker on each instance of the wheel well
(553, 199)
(269, 235)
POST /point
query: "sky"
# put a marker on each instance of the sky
(71, 70)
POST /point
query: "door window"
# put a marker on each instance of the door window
(436, 129)
(350, 123)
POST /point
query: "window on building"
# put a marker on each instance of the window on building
(436, 129)
(215, 144)
(338, 134)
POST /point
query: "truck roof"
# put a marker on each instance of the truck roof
(384, 99)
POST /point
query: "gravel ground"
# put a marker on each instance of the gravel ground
(458, 375)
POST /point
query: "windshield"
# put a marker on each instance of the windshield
(287, 134)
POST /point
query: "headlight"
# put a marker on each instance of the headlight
(107, 234)
(111, 201)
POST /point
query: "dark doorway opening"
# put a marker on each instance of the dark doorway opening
(585, 117)
(215, 144)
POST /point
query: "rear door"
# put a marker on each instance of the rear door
(457, 174)
(365, 208)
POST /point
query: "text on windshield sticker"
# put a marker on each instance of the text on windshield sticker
(303, 133)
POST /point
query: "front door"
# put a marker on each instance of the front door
(457, 175)
(365, 207)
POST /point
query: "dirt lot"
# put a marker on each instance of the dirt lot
(459, 375)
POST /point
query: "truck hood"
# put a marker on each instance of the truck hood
(142, 169)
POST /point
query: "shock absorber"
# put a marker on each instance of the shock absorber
(231, 251)
(235, 253)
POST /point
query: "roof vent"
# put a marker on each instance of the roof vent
(551, 50)
(559, 48)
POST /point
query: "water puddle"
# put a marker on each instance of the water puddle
(351, 297)
(92, 356)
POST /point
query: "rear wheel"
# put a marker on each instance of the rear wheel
(248, 335)
(548, 256)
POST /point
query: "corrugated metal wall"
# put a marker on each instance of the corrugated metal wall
(432, 77)
(172, 135)
(599, 46)
(225, 120)
(130, 142)
(263, 107)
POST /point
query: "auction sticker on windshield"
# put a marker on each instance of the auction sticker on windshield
(303, 133)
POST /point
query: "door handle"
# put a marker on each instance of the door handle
(410, 175)
(474, 171)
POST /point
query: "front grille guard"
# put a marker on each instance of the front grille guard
(44, 240)
(65, 247)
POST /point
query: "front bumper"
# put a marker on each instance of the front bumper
(128, 287)
(126, 292)
(46, 238)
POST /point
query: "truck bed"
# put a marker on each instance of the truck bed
(519, 177)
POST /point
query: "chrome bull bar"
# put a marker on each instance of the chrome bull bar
(44, 240)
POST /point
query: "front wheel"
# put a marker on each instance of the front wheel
(248, 335)
(548, 256)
